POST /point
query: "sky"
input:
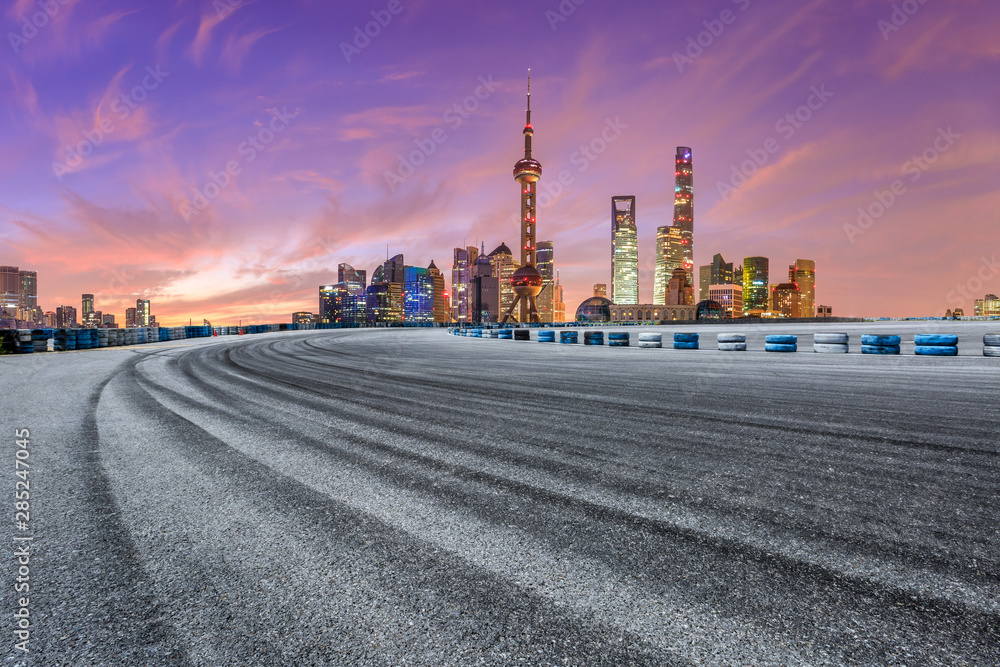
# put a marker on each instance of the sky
(222, 157)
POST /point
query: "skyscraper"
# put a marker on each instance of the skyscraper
(440, 309)
(142, 312)
(669, 256)
(485, 291)
(624, 251)
(803, 273)
(546, 266)
(755, 284)
(130, 317)
(786, 299)
(419, 296)
(719, 272)
(559, 301)
(351, 279)
(504, 266)
(29, 290)
(329, 304)
(461, 281)
(684, 205)
(10, 290)
(87, 310)
(527, 281)
(66, 317)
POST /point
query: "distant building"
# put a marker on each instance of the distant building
(719, 272)
(824, 312)
(50, 320)
(680, 292)
(730, 297)
(87, 310)
(28, 297)
(803, 274)
(559, 301)
(669, 256)
(302, 318)
(108, 320)
(684, 206)
(441, 309)
(485, 291)
(786, 298)
(329, 304)
(596, 309)
(504, 266)
(142, 312)
(601, 289)
(624, 251)
(756, 295)
(10, 291)
(461, 284)
(419, 296)
(66, 317)
(131, 317)
(652, 312)
(545, 263)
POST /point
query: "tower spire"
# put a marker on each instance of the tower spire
(528, 130)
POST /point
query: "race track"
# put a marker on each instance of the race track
(404, 497)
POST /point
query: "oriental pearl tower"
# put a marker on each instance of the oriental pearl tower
(527, 281)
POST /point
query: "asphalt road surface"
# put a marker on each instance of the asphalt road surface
(405, 497)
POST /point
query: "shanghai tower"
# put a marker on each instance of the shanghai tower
(684, 206)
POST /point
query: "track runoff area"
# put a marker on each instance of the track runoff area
(406, 496)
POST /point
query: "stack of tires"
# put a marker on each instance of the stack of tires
(781, 343)
(506, 334)
(685, 341)
(477, 333)
(490, 333)
(991, 345)
(102, 338)
(935, 345)
(831, 343)
(649, 339)
(60, 338)
(83, 339)
(522, 334)
(39, 338)
(879, 344)
(618, 339)
(70, 339)
(25, 342)
(546, 336)
(568, 338)
(733, 342)
(593, 338)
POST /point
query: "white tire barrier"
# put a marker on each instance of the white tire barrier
(650, 340)
(733, 347)
(732, 338)
(830, 348)
(831, 338)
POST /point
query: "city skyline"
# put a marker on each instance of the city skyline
(801, 135)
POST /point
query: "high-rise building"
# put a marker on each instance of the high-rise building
(329, 304)
(684, 205)
(601, 290)
(461, 282)
(66, 317)
(504, 266)
(527, 281)
(559, 301)
(131, 317)
(108, 320)
(546, 266)
(437, 278)
(29, 289)
(730, 297)
(302, 317)
(10, 290)
(419, 296)
(87, 311)
(803, 273)
(755, 284)
(624, 251)
(142, 312)
(719, 272)
(485, 291)
(680, 291)
(669, 256)
(351, 279)
(786, 299)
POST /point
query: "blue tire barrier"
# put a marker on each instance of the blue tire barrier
(879, 349)
(685, 338)
(650, 340)
(943, 340)
(547, 336)
(593, 338)
(781, 347)
(24, 342)
(71, 339)
(991, 350)
(831, 339)
(522, 334)
(869, 339)
(39, 338)
(733, 347)
(991, 340)
(781, 339)
(618, 342)
(618, 335)
(935, 350)
(830, 348)
(568, 337)
(60, 337)
(684, 345)
(506, 334)
(732, 338)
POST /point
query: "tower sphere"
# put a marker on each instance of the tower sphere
(527, 170)
(527, 281)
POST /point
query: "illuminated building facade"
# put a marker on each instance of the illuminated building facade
(130, 317)
(87, 310)
(440, 307)
(461, 284)
(803, 273)
(545, 257)
(680, 291)
(504, 266)
(756, 295)
(419, 296)
(601, 289)
(786, 299)
(66, 317)
(10, 290)
(624, 251)
(684, 206)
(719, 272)
(730, 297)
(142, 312)
(669, 256)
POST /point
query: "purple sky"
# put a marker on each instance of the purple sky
(266, 89)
